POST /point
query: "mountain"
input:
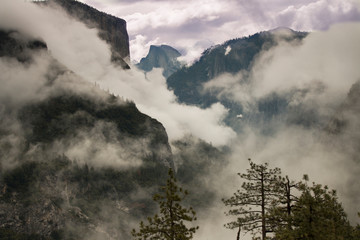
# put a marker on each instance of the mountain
(77, 162)
(111, 29)
(343, 126)
(72, 157)
(231, 57)
(162, 56)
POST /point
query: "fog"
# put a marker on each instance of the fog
(315, 75)
(83, 52)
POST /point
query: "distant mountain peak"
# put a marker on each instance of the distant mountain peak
(161, 56)
(282, 29)
(283, 32)
(165, 48)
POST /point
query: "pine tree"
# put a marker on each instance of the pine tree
(317, 214)
(169, 224)
(281, 213)
(253, 202)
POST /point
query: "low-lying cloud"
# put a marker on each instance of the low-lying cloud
(81, 51)
(317, 74)
(320, 70)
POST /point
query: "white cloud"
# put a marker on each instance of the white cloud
(317, 75)
(179, 22)
(140, 47)
(83, 52)
(94, 149)
(329, 57)
(325, 59)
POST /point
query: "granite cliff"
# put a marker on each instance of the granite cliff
(111, 29)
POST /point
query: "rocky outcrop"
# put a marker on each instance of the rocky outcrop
(164, 57)
(231, 57)
(111, 29)
(48, 193)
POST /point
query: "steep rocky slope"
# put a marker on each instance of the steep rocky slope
(164, 57)
(111, 29)
(73, 158)
(234, 57)
(231, 57)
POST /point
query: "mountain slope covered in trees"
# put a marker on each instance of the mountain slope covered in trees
(76, 162)
(66, 153)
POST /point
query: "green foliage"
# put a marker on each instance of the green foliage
(20, 178)
(169, 224)
(197, 162)
(187, 82)
(316, 214)
(291, 210)
(252, 203)
(25, 178)
(8, 234)
(64, 115)
(356, 232)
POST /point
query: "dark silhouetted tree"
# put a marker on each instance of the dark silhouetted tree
(169, 224)
(252, 204)
(281, 212)
(316, 214)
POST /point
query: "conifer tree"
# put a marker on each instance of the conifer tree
(170, 223)
(281, 212)
(316, 214)
(253, 202)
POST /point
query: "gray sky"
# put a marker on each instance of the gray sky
(194, 25)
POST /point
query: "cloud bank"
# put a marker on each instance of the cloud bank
(192, 26)
(317, 74)
(315, 78)
(81, 51)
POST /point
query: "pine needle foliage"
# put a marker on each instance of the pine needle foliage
(317, 215)
(169, 224)
(251, 204)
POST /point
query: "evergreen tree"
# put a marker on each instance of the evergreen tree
(317, 214)
(169, 224)
(253, 202)
(281, 213)
(356, 231)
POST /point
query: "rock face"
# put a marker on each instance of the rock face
(164, 57)
(231, 57)
(111, 29)
(72, 157)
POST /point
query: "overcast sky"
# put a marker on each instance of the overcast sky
(193, 25)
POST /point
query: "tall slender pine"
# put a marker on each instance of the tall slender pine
(169, 224)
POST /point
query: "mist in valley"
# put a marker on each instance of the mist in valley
(314, 76)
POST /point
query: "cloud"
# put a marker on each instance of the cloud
(179, 22)
(324, 66)
(94, 148)
(330, 58)
(81, 51)
(140, 46)
(153, 98)
(316, 75)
